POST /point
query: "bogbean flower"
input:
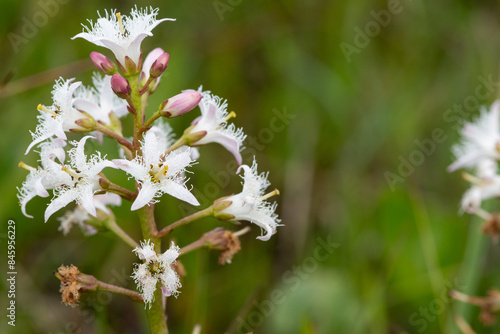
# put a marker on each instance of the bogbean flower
(156, 268)
(79, 215)
(80, 180)
(46, 176)
(61, 116)
(158, 174)
(481, 190)
(480, 140)
(99, 101)
(213, 127)
(251, 204)
(122, 35)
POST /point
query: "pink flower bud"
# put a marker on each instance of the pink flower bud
(120, 86)
(180, 103)
(159, 65)
(103, 63)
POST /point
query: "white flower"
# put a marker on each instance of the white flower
(213, 121)
(122, 35)
(80, 180)
(100, 101)
(60, 117)
(79, 215)
(481, 190)
(156, 268)
(46, 176)
(480, 140)
(251, 204)
(158, 174)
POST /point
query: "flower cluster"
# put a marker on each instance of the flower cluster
(149, 152)
(156, 269)
(479, 151)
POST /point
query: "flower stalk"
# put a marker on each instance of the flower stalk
(191, 218)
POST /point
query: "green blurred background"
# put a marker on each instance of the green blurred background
(399, 245)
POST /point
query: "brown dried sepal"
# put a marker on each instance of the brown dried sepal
(231, 245)
(69, 284)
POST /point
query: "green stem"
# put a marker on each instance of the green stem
(200, 243)
(135, 296)
(181, 142)
(111, 225)
(470, 272)
(156, 314)
(123, 192)
(195, 216)
(153, 118)
(148, 225)
(103, 129)
(136, 101)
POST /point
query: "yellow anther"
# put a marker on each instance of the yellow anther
(27, 167)
(271, 194)
(232, 114)
(42, 108)
(162, 171)
(119, 17)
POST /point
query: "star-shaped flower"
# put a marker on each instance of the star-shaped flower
(60, 117)
(251, 204)
(80, 180)
(46, 176)
(213, 123)
(122, 35)
(157, 173)
(156, 268)
(480, 140)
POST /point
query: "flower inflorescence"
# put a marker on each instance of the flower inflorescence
(149, 153)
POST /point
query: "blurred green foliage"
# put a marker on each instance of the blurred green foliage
(355, 119)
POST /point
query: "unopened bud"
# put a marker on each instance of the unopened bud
(221, 204)
(130, 67)
(120, 86)
(180, 103)
(103, 63)
(193, 137)
(104, 183)
(87, 124)
(159, 65)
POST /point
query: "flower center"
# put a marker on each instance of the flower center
(159, 174)
(74, 174)
(155, 268)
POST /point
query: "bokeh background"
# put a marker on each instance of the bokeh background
(360, 162)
